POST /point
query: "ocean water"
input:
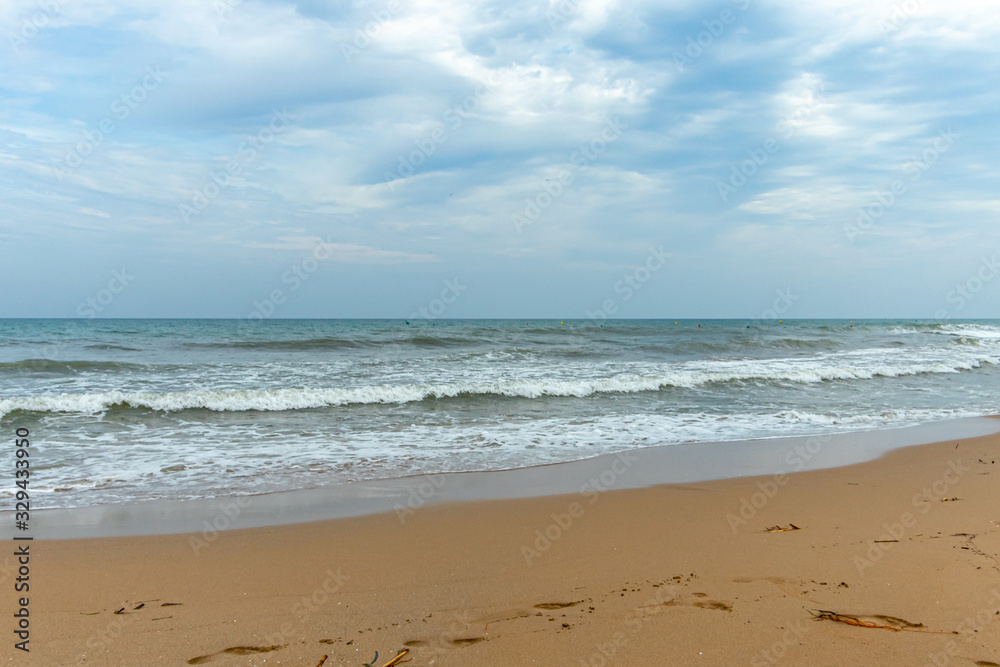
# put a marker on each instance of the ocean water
(125, 410)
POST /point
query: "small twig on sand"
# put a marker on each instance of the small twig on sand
(781, 529)
(398, 660)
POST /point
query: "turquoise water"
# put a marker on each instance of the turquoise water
(125, 410)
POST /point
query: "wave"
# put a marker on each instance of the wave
(164, 469)
(305, 344)
(804, 343)
(735, 346)
(972, 332)
(981, 331)
(334, 343)
(65, 367)
(684, 376)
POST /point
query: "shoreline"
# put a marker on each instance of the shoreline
(630, 469)
(907, 545)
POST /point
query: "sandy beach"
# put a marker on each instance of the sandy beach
(893, 561)
(451, 334)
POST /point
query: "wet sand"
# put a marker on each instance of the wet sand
(905, 548)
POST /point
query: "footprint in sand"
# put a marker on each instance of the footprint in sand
(698, 601)
(457, 643)
(469, 641)
(557, 605)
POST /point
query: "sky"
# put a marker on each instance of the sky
(441, 159)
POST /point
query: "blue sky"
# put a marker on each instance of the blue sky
(219, 158)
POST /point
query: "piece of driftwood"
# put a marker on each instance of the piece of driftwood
(398, 660)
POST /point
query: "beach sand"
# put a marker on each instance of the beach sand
(667, 575)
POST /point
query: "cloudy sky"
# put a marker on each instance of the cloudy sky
(201, 158)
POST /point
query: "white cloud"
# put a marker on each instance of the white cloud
(804, 202)
(881, 99)
(346, 253)
(94, 212)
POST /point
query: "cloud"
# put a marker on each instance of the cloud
(346, 253)
(94, 212)
(419, 128)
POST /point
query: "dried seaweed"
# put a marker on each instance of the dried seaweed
(826, 615)
(781, 529)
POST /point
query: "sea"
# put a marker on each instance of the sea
(121, 411)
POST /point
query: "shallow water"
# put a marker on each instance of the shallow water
(125, 410)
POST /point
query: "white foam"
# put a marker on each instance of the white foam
(982, 331)
(855, 365)
(243, 463)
